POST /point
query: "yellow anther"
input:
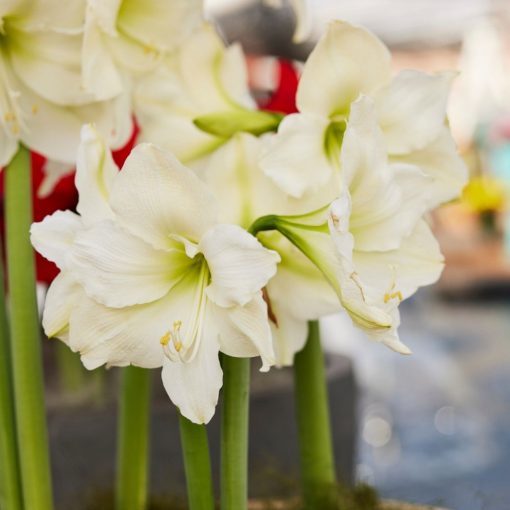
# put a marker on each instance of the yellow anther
(9, 116)
(177, 325)
(177, 345)
(388, 297)
(165, 338)
(35, 109)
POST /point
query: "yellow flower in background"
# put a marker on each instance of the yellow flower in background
(485, 193)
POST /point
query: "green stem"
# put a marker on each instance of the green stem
(25, 339)
(71, 374)
(314, 429)
(197, 464)
(133, 439)
(234, 433)
(10, 483)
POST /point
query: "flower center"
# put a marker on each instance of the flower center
(183, 347)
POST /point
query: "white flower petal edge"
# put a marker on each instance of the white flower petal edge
(239, 264)
(347, 61)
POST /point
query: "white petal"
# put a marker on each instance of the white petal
(161, 24)
(417, 262)
(118, 269)
(194, 387)
(296, 158)
(95, 173)
(99, 70)
(8, 148)
(245, 332)
(130, 335)
(387, 201)
(289, 336)
(298, 287)
(49, 63)
(411, 110)
(53, 236)
(155, 196)
(440, 161)
(240, 266)
(63, 295)
(347, 61)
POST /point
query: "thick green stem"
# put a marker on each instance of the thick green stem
(314, 429)
(234, 433)
(197, 464)
(71, 373)
(133, 439)
(10, 483)
(25, 339)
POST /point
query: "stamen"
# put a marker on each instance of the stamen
(165, 338)
(389, 296)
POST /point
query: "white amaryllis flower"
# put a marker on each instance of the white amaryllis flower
(298, 292)
(150, 278)
(371, 244)
(411, 109)
(198, 98)
(43, 98)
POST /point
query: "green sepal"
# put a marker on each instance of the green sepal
(227, 124)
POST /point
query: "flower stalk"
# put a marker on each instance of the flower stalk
(234, 433)
(197, 465)
(25, 339)
(10, 483)
(133, 439)
(314, 429)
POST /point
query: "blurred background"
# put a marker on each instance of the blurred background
(433, 427)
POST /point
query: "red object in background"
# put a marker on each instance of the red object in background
(283, 98)
(64, 196)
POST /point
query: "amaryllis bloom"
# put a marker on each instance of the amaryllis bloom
(198, 98)
(43, 98)
(349, 61)
(371, 243)
(150, 278)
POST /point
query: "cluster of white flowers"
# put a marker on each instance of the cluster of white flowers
(64, 64)
(158, 268)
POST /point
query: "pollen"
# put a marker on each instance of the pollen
(35, 108)
(389, 296)
(165, 338)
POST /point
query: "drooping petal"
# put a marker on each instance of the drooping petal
(416, 263)
(63, 295)
(441, 162)
(118, 269)
(411, 110)
(245, 332)
(155, 196)
(347, 61)
(8, 147)
(194, 386)
(53, 236)
(239, 265)
(95, 173)
(296, 158)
